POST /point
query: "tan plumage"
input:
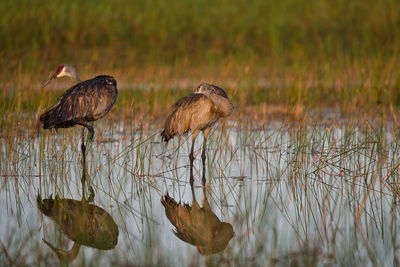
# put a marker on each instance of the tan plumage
(198, 226)
(197, 112)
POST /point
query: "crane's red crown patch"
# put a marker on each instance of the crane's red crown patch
(60, 68)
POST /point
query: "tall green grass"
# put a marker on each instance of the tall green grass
(282, 58)
(125, 32)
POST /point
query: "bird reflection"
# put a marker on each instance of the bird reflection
(84, 223)
(198, 226)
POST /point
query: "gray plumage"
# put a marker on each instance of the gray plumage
(84, 102)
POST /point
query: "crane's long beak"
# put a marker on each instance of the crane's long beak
(49, 80)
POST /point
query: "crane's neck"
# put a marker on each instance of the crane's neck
(222, 104)
(72, 73)
(76, 78)
(65, 255)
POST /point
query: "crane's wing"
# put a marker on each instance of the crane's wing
(179, 216)
(189, 112)
(221, 105)
(86, 101)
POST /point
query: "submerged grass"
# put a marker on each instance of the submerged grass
(296, 194)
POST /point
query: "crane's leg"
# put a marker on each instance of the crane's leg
(203, 159)
(203, 155)
(89, 127)
(204, 192)
(91, 196)
(191, 156)
(191, 184)
(83, 148)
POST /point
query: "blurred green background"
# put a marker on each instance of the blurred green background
(165, 31)
(333, 52)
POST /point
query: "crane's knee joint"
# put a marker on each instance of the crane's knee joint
(91, 131)
(191, 157)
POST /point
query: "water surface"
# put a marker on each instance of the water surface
(293, 194)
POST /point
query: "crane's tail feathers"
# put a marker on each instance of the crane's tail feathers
(166, 136)
(47, 118)
(168, 202)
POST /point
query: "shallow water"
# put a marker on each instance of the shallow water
(294, 194)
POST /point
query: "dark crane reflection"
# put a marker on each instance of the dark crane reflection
(84, 223)
(198, 226)
(80, 220)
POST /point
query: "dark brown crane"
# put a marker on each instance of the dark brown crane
(197, 112)
(85, 102)
(81, 104)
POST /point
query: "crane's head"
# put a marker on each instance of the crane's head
(63, 70)
(205, 88)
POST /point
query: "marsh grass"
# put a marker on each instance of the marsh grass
(306, 169)
(287, 58)
(302, 101)
(295, 193)
(161, 32)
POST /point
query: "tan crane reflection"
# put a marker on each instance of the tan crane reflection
(198, 226)
(86, 224)
(197, 112)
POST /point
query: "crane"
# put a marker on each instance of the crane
(197, 112)
(85, 102)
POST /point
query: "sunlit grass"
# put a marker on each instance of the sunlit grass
(289, 55)
(295, 98)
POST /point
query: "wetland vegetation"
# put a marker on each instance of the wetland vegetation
(305, 170)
